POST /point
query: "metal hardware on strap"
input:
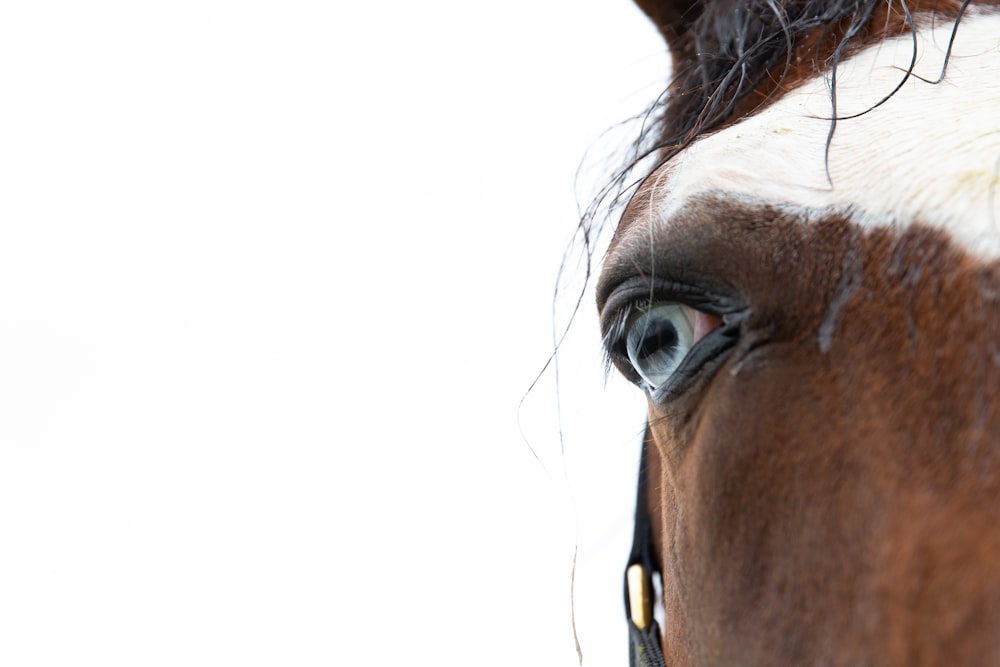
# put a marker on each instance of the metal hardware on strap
(644, 634)
(640, 599)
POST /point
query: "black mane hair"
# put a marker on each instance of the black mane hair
(737, 48)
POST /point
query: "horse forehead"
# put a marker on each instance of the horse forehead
(930, 153)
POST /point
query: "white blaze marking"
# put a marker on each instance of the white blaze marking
(931, 153)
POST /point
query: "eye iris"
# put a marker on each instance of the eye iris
(657, 341)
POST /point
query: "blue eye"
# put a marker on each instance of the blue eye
(657, 340)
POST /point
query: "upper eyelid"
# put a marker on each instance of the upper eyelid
(637, 288)
(631, 292)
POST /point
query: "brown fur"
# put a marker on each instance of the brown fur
(837, 507)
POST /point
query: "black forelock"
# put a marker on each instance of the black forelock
(733, 48)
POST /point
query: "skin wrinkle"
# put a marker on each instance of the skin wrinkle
(850, 282)
(908, 275)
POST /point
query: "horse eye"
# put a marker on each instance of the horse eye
(657, 340)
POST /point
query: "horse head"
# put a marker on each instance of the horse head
(807, 289)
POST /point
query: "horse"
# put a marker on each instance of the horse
(805, 285)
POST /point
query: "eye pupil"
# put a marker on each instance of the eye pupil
(660, 336)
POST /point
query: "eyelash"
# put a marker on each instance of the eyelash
(614, 335)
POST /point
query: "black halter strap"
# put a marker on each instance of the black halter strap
(644, 648)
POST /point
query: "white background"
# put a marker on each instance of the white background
(274, 279)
